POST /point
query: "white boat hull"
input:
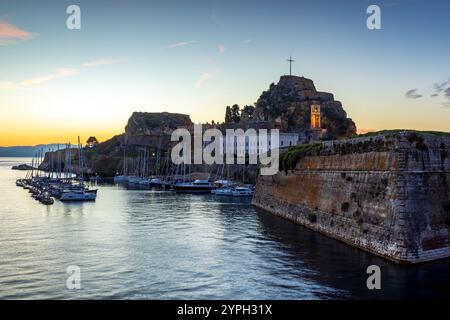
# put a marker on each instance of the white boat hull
(222, 192)
(75, 196)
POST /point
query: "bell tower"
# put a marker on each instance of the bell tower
(315, 117)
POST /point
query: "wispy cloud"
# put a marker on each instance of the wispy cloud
(447, 92)
(447, 96)
(412, 94)
(246, 41)
(439, 87)
(59, 73)
(100, 62)
(9, 85)
(221, 48)
(204, 77)
(9, 33)
(444, 89)
(181, 44)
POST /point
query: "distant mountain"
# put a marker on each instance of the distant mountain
(27, 151)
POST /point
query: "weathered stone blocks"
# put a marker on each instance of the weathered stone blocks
(393, 200)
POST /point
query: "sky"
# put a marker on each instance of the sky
(197, 57)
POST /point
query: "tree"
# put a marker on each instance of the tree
(235, 113)
(247, 112)
(228, 115)
(91, 142)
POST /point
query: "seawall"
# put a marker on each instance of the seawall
(387, 194)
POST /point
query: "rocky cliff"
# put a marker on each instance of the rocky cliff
(143, 130)
(388, 194)
(143, 127)
(288, 103)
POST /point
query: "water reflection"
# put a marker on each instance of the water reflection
(342, 266)
(145, 243)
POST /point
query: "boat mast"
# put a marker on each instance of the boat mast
(80, 163)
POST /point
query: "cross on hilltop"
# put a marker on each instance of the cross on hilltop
(290, 64)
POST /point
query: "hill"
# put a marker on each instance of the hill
(27, 151)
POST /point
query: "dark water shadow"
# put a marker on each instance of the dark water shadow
(344, 267)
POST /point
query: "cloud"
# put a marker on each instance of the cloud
(9, 85)
(180, 44)
(246, 41)
(447, 93)
(444, 89)
(10, 33)
(412, 94)
(221, 48)
(439, 87)
(205, 76)
(447, 96)
(59, 73)
(99, 62)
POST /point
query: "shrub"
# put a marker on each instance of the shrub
(312, 217)
(292, 155)
(414, 138)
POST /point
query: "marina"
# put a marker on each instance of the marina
(68, 186)
(63, 185)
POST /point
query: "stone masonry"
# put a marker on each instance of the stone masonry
(387, 194)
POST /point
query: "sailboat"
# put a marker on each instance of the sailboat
(124, 177)
(79, 192)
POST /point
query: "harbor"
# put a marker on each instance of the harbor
(65, 185)
(137, 242)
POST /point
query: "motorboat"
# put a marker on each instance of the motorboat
(78, 194)
(242, 192)
(198, 186)
(223, 191)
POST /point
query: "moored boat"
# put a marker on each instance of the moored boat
(198, 186)
(242, 192)
(118, 179)
(223, 191)
(79, 194)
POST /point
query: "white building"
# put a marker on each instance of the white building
(253, 143)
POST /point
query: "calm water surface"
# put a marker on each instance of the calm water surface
(150, 244)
